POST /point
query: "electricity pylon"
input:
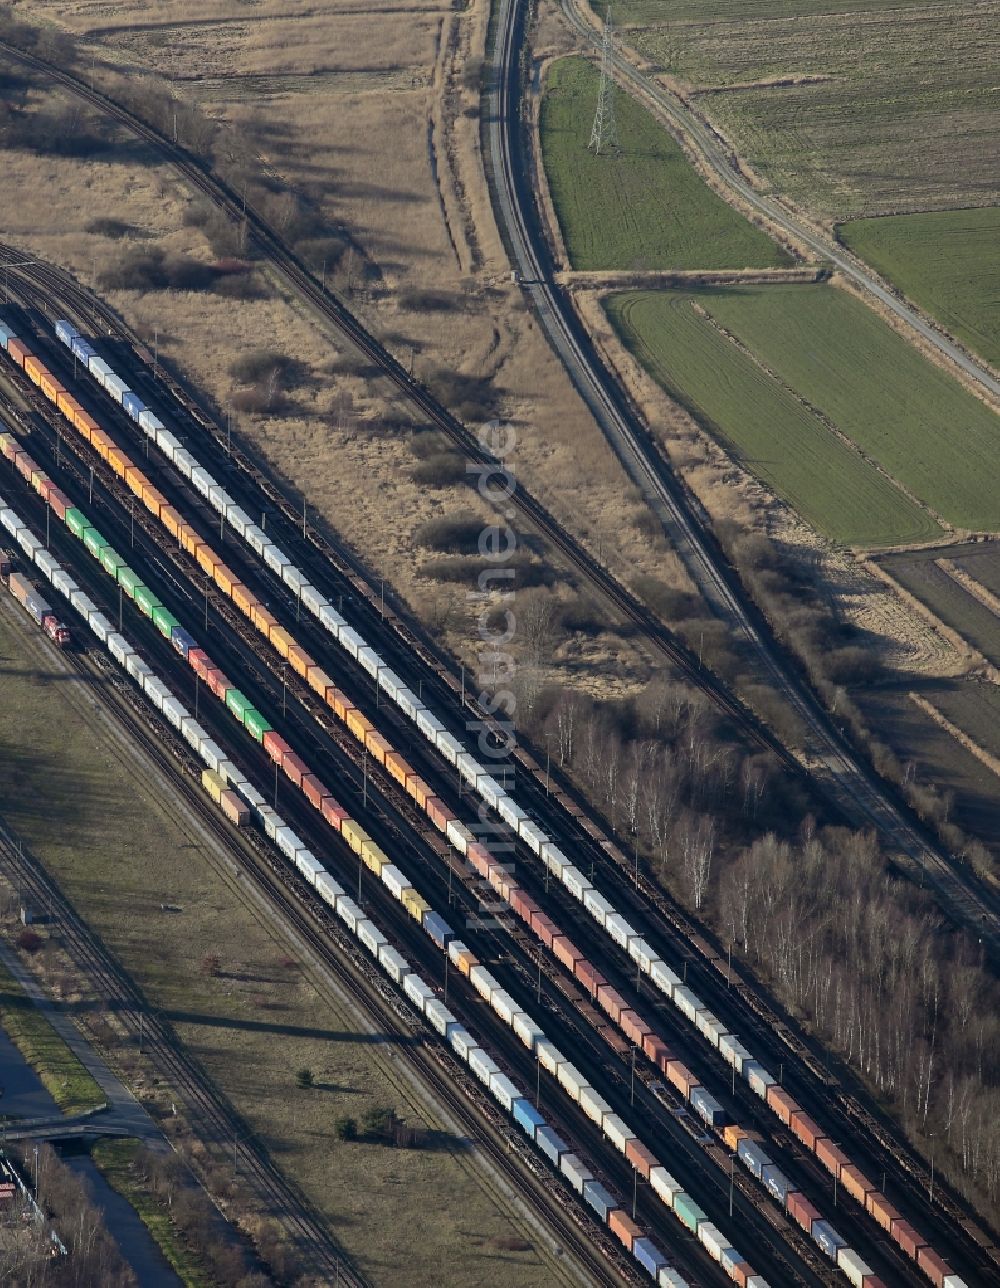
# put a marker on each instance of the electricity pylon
(604, 135)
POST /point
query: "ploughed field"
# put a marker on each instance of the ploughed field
(824, 403)
(946, 261)
(848, 108)
(953, 602)
(644, 208)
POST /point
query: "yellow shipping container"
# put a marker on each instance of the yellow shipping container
(374, 857)
(354, 834)
(415, 904)
(213, 784)
(358, 724)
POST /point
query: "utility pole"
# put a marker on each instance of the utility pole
(604, 134)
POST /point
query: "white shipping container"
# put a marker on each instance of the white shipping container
(350, 640)
(469, 767)
(349, 913)
(438, 1015)
(271, 821)
(664, 978)
(185, 462)
(549, 1055)
(597, 905)
(617, 1131)
(255, 538)
(532, 835)
(193, 733)
(417, 991)
(100, 625)
(389, 682)
(408, 702)
(482, 981)
(853, 1265)
(463, 1042)
(173, 710)
(954, 1281)
(46, 562)
(758, 1077)
(393, 963)
(575, 882)
(455, 950)
(136, 667)
(594, 1105)
(576, 1171)
(288, 842)
(671, 1278)
(308, 865)
(238, 520)
(572, 1080)
(511, 813)
(688, 1003)
(202, 480)
(711, 1026)
(313, 599)
(83, 604)
(619, 929)
(642, 954)
(554, 859)
(449, 747)
(119, 647)
(63, 582)
(251, 795)
(331, 620)
(483, 1065)
(712, 1239)
(665, 1185)
(274, 557)
(394, 880)
(169, 444)
(428, 724)
(295, 579)
(459, 835)
(369, 660)
(503, 1004)
(504, 1091)
(489, 789)
(527, 1029)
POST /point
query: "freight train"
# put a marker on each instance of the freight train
(433, 729)
(33, 603)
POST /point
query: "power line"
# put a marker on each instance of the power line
(604, 134)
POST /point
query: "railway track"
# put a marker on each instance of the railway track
(216, 1121)
(854, 1113)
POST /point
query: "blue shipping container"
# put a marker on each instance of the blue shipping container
(133, 404)
(649, 1256)
(66, 331)
(438, 929)
(707, 1107)
(527, 1116)
(599, 1199)
(730, 1260)
(828, 1238)
(6, 334)
(182, 641)
(777, 1182)
(550, 1144)
(752, 1157)
(83, 350)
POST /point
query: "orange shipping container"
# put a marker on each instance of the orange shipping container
(86, 424)
(153, 499)
(477, 853)
(190, 541)
(641, 1158)
(397, 767)
(855, 1183)
(300, 660)
(68, 405)
(207, 558)
(235, 809)
(358, 724)
(318, 680)
(136, 480)
(438, 813)
(341, 704)
(377, 746)
(831, 1156)
(622, 1225)
(101, 443)
(565, 950)
(781, 1102)
(419, 790)
(51, 387)
(171, 520)
(34, 368)
(262, 618)
(18, 351)
(881, 1209)
(225, 578)
(118, 460)
(465, 961)
(281, 640)
(243, 598)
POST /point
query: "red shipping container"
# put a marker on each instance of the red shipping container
(741, 1273)
(18, 351)
(294, 767)
(634, 1026)
(314, 791)
(641, 1158)
(622, 1225)
(589, 976)
(781, 1102)
(566, 951)
(275, 746)
(59, 501)
(479, 856)
(439, 813)
(500, 879)
(523, 904)
(802, 1211)
(199, 662)
(334, 813)
(855, 1183)
(806, 1129)
(611, 1001)
(545, 928)
(933, 1265)
(219, 683)
(881, 1209)
(681, 1076)
(908, 1239)
(831, 1156)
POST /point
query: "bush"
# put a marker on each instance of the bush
(458, 535)
(442, 469)
(346, 1128)
(672, 605)
(304, 1079)
(259, 365)
(30, 940)
(140, 269)
(116, 228)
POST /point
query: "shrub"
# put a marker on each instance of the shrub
(346, 1128)
(304, 1079)
(116, 228)
(443, 469)
(30, 940)
(458, 535)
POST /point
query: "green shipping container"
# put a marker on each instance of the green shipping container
(239, 704)
(128, 579)
(94, 542)
(77, 522)
(111, 561)
(256, 725)
(164, 621)
(688, 1211)
(145, 600)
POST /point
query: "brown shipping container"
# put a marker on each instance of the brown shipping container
(801, 1210)
(881, 1209)
(545, 928)
(611, 1002)
(522, 903)
(566, 951)
(313, 790)
(641, 1158)
(589, 976)
(87, 426)
(908, 1239)
(855, 1183)
(732, 1135)
(438, 813)
(334, 813)
(477, 854)
(294, 767)
(781, 1102)
(681, 1076)
(421, 793)
(624, 1228)
(340, 703)
(806, 1129)
(741, 1273)
(275, 745)
(656, 1049)
(398, 767)
(219, 683)
(235, 809)
(633, 1026)
(466, 960)
(18, 351)
(831, 1155)
(933, 1265)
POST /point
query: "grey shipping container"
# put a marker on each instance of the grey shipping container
(777, 1182)
(752, 1157)
(599, 1199)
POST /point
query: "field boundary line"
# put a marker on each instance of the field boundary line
(970, 585)
(965, 740)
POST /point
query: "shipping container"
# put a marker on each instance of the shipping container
(688, 1211)
(801, 1210)
(575, 1171)
(753, 1157)
(589, 976)
(527, 1029)
(708, 1108)
(617, 1131)
(641, 1157)
(415, 905)
(758, 1077)
(805, 1128)
(855, 1183)
(828, 1239)
(712, 1239)
(881, 1209)
(438, 929)
(527, 1117)
(681, 1077)
(854, 1266)
(666, 1187)
(594, 1105)
(907, 1237)
(688, 1003)
(831, 1156)
(566, 952)
(782, 1103)
(933, 1265)
(624, 1228)
(634, 1027)
(504, 1091)
(600, 1199)
(778, 1184)
(551, 1144)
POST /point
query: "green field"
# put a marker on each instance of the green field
(645, 208)
(879, 107)
(762, 422)
(947, 262)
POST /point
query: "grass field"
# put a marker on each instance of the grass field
(916, 421)
(882, 107)
(945, 597)
(947, 262)
(62, 1074)
(644, 208)
(783, 442)
(125, 856)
